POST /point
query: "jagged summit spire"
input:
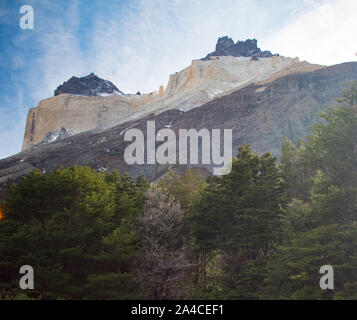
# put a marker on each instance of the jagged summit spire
(223, 43)
(89, 85)
(249, 48)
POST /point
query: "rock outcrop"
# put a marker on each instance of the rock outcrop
(91, 86)
(249, 48)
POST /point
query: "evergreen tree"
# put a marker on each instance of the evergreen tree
(239, 218)
(296, 173)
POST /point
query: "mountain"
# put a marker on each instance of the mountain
(262, 100)
(90, 85)
(199, 83)
(260, 114)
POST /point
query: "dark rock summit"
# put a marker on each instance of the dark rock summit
(226, 47)
(224, 43)
(90, 85)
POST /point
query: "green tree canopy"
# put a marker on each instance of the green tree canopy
(73, 226)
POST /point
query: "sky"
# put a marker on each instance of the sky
(137, 44)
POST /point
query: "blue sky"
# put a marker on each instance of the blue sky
(137, 44)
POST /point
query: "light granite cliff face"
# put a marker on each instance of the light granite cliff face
(201, 82)
(76, 114)
(204, 80)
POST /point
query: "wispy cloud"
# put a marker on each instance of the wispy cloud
(324, 34)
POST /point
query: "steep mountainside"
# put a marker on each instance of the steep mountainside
(197, 84)
(259, 114)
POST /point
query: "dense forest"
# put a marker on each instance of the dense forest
(261, 232)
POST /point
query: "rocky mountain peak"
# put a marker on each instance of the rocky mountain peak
(90, 85)
(249, 48)
(224, 43)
